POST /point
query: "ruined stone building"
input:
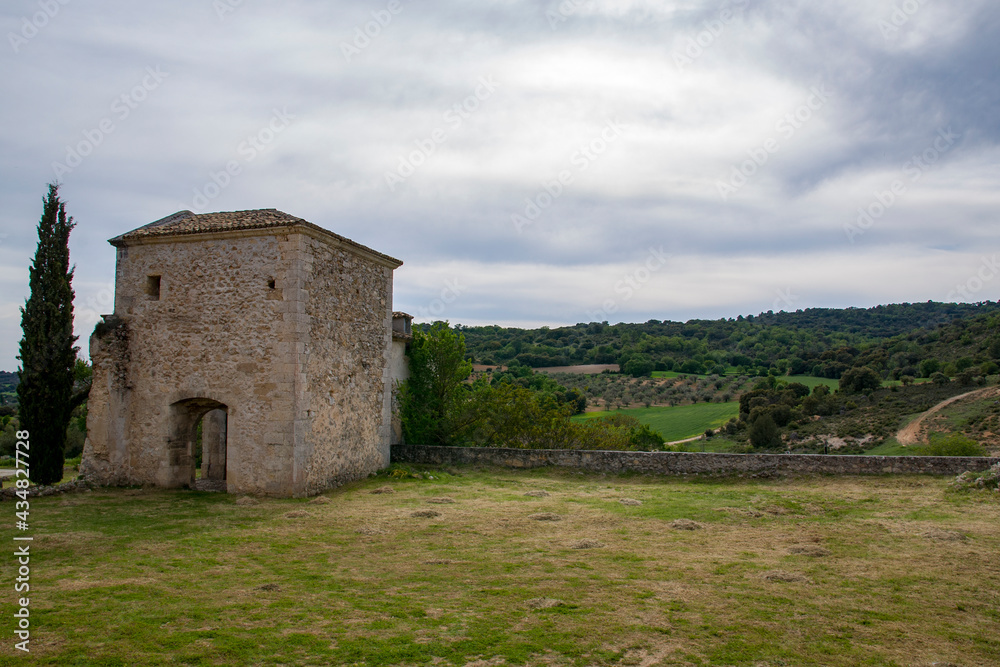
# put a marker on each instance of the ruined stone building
(274, 334)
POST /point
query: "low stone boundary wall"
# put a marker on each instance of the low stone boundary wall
(691, 463)
(39, 491)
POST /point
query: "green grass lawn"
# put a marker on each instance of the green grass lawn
(891, 447)
(679, 422)
(805, 571)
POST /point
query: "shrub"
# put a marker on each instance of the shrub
(506, 415)
(74, 443)
(638, 366)
(954, 445)
(859, 380)
(764, 433)
(431, 401)
(8, 439)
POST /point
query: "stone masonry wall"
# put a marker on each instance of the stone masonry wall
(345, 420)
(687, 463)
(218, 331)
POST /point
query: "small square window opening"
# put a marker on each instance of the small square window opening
(153, 287)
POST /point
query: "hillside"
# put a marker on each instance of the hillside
(896, 339)
(8, 387)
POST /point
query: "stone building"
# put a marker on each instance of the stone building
(399, 363)
(272, 332)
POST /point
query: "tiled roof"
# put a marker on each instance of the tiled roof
(185, 223)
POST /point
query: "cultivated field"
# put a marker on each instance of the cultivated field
(680, 422)
(508, 567)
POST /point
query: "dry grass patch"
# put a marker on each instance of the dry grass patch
(786, 577)
(544, 603)
(587, 544)
(180, 576)
(809, 550)
(946, 535)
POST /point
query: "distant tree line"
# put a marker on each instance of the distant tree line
(899, 340)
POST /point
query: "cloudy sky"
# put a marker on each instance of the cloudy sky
(531, 162)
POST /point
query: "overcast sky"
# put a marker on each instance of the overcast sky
(531, 162)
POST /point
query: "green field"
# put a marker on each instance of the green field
(677, 423)
(454, 568)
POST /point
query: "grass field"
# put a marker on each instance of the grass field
(682, 421)
(809, 571)
(891, 447)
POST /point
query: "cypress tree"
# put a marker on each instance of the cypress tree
(47, 353)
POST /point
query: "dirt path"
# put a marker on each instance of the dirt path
(677, 442)
(910, 434)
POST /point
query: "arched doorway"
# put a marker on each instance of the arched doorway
(188, 444)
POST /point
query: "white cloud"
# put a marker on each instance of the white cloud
(686, 128)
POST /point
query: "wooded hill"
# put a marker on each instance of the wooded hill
(899, 339)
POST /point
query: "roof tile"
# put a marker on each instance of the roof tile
(185, 223)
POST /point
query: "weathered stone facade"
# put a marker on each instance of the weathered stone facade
(399, 364)
(276, 329)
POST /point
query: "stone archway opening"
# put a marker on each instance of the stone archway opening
(197, 446)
